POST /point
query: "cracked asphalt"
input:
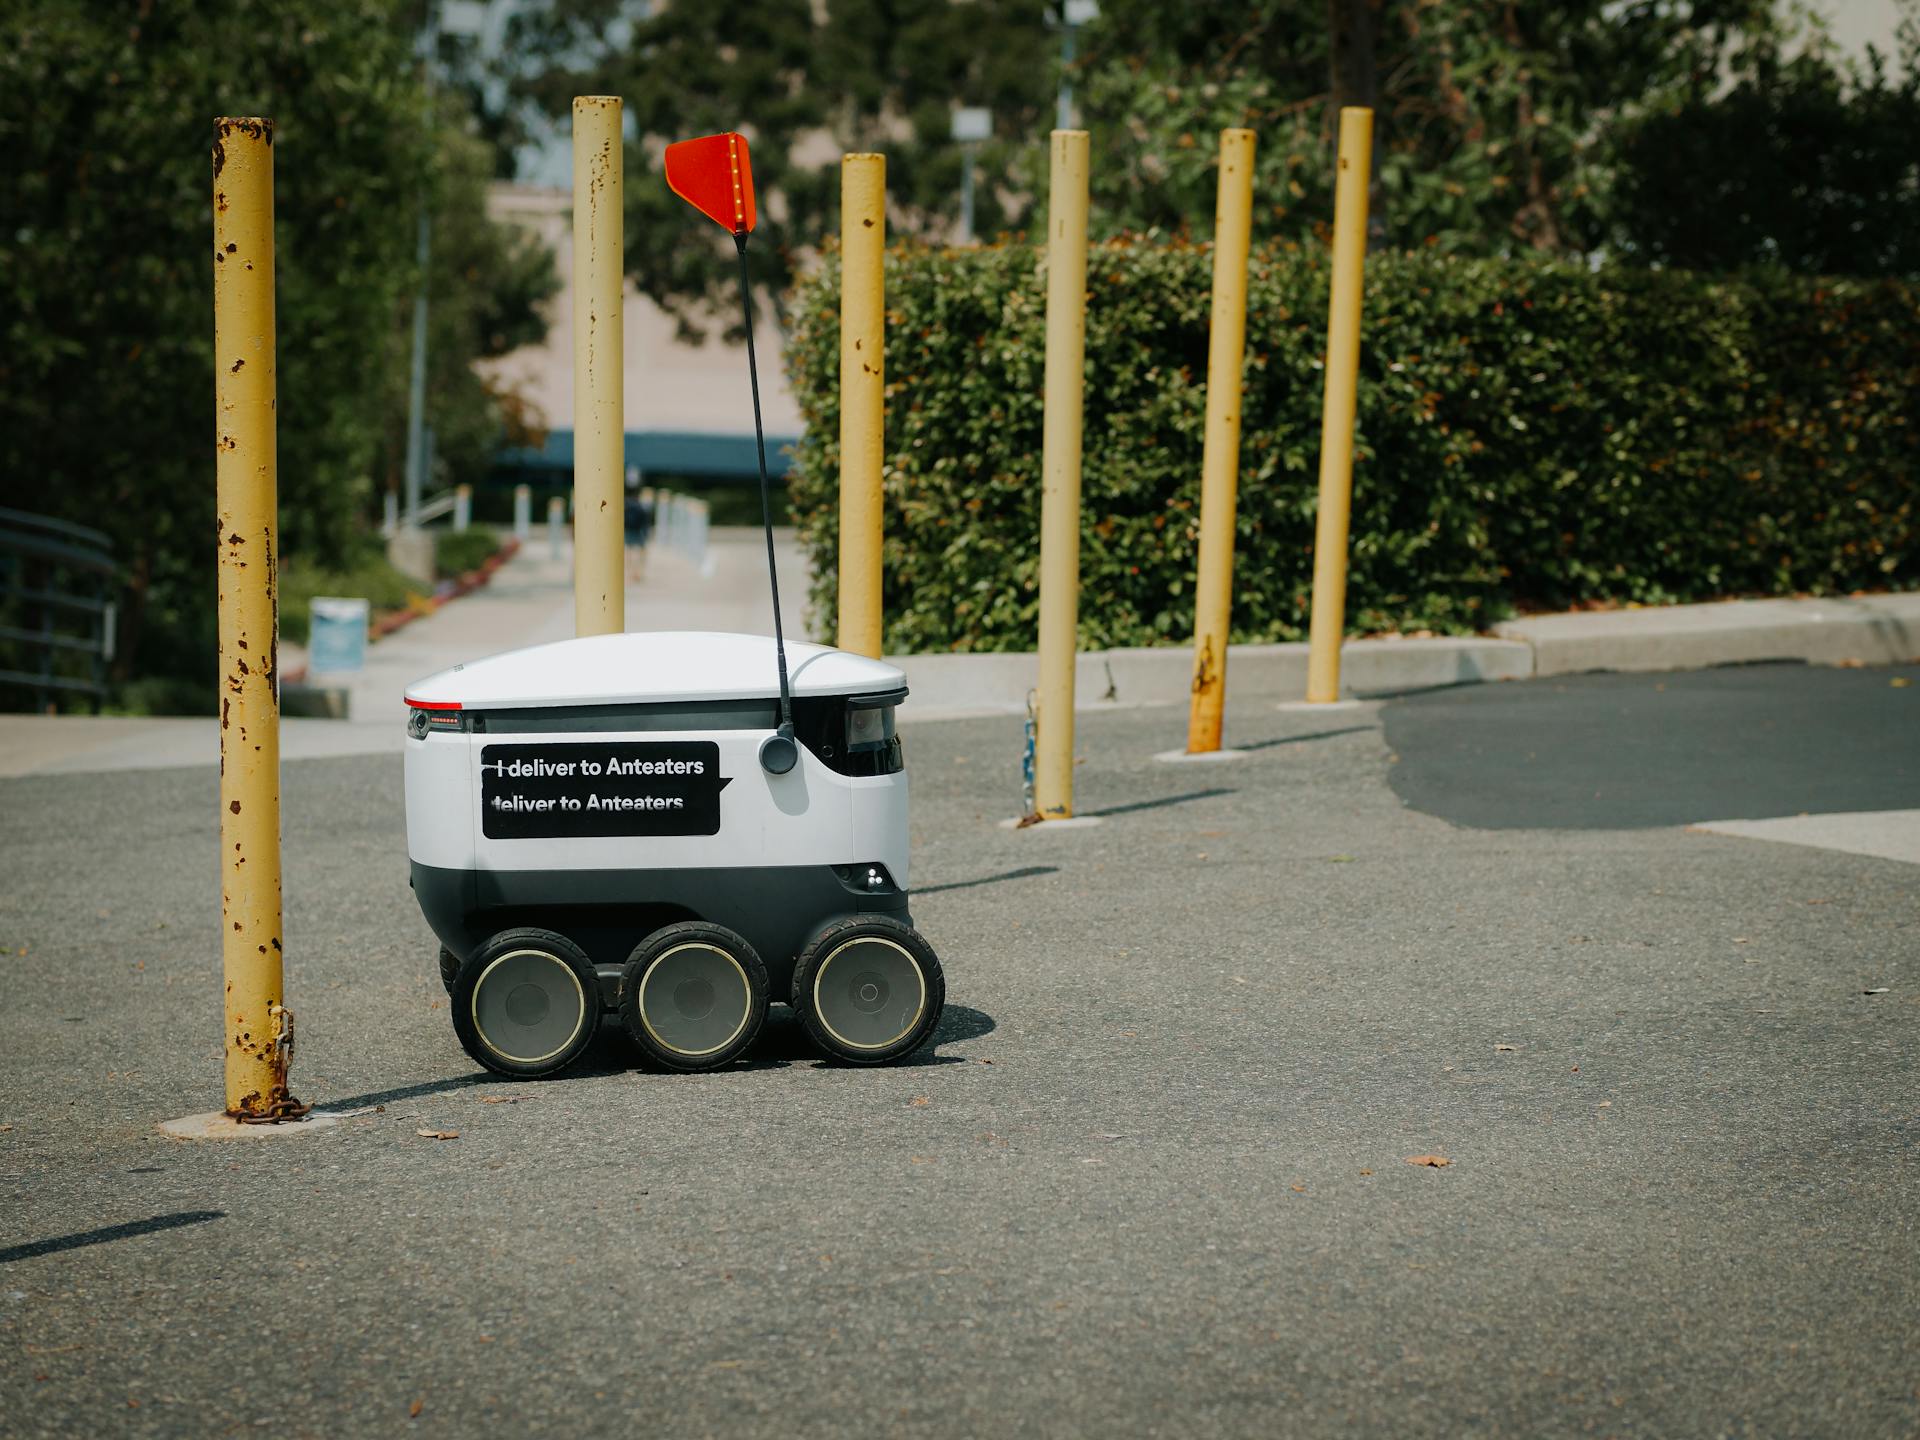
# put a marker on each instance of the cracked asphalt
(1154, 1178)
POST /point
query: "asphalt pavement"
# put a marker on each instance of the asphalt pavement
(1155, 1177)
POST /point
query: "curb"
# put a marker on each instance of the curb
(1867, 630)
(1863, 630)
(996, 684)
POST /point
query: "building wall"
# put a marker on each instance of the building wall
(670, 385)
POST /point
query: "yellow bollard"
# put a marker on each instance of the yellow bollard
(863, 243)
(1060, 470)
(259, 1029)
(599, 423)
(1220, 463)
(1329, 621)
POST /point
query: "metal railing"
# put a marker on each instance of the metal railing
(57, 580)
(448, 502)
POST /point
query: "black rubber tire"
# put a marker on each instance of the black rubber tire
(480, 970)
(826, 949)
(682, 942)
(449, 968)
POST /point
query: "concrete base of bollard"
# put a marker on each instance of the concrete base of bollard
(1076, 822)
(218, 1125)
(1189, 757)
(1319, 707)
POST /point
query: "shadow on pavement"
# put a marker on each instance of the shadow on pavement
(1302, 739)
(110, 1232)
(407, 1092)
(1024, 873)
(1159, 804)
(784, 1041)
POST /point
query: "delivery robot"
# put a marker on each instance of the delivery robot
(625, 822)
(676, 826)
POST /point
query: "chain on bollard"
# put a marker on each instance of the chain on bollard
(280, 1104)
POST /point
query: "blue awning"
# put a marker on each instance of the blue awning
(664, 452)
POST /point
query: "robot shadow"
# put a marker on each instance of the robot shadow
(783, 1043)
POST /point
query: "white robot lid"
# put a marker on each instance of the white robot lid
(650, 668)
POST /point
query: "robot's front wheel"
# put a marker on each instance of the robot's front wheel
(449, 968)
(526, 1003)
(694, 995)
(869, 990)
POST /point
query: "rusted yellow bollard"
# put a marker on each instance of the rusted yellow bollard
(863, 243)
(1220, 462)
(259, 1031)
(1060, 472)
(599, 363)
(1329, 621)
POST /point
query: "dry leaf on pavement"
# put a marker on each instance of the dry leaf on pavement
(1436, 1161)
(438, 1134)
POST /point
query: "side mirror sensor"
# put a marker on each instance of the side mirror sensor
(779, 752)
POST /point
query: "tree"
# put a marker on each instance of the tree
(1493, 124)
(1804, 163)
(804, 82)
(106, 381)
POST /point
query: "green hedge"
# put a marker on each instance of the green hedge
(456, 552)
(1531, 435)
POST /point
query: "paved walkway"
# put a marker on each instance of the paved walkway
(528, 602)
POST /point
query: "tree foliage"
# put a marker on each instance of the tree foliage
(1493, 125)
(1805, 163)
(1575, 128)
(804, 82)
(106, 322)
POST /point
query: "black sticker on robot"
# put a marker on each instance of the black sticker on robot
(610, 787)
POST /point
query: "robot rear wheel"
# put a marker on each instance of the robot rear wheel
(869, 990)
(526, 1003)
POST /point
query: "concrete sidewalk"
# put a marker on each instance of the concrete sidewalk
(1860, 630)
(530, 602)
(1873, 630)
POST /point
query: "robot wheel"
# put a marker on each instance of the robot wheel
(526, 1003)
(869, 990)
(694, 996)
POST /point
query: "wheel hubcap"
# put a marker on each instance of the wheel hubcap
(528, 1006)
(869, 993)
(695, 1000)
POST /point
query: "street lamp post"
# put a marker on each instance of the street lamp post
(971, 125)
(454, 17)
(1073, 14)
